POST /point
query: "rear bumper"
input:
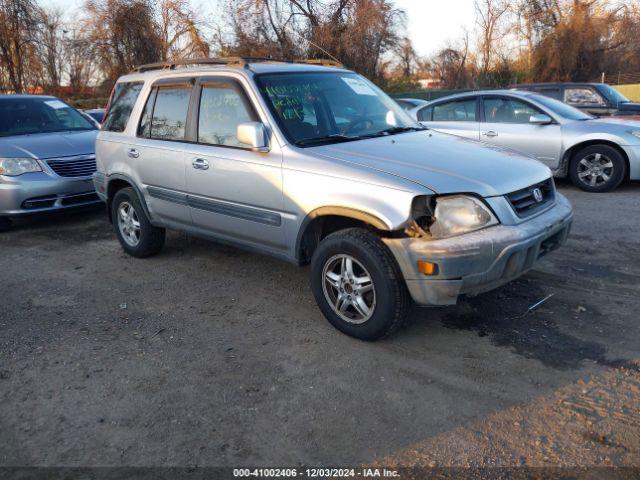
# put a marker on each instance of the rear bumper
(34, 193)
(480, 261)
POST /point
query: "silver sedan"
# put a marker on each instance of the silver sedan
(597, 154)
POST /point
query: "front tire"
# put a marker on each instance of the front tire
(358, 285)
(132, 226)
(597, 168)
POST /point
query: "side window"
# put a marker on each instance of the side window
(169, 119)
(222, 107)
(425, 114)
(582, 96)
(122, 102)
(507, 110)
(458, 111)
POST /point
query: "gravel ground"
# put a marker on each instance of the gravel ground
(207, 355)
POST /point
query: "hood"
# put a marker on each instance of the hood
(613, 123)
(629, 107)
(49, 145)
(617, 128)
(443, 163)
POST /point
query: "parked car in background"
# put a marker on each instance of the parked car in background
(597, 99)
(90, 118)
(317, 165)
(47, 157)
(96, 113)
(410, 103)
(597, 154)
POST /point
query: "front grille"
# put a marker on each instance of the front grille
(525, 203)
(74, 167)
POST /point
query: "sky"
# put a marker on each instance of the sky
(430, 23)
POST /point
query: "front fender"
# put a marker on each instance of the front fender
(385, 208)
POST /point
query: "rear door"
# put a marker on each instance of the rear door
(506, 123)
(158, 155)
(457, 117)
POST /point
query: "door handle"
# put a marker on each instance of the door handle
(133, 153)
(490, 134)
(200, 164)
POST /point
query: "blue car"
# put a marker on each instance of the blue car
(47, 157)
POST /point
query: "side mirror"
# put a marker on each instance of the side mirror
(540, 119)
(255, 135)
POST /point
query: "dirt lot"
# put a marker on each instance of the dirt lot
(210, 356)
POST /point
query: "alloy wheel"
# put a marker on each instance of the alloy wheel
(595, 169)
(129, 224)
(348, 288)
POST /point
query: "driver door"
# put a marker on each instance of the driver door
(232, 191)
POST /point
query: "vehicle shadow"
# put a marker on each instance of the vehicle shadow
(62, 219)
(504, 318)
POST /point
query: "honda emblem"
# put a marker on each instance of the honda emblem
(537, 194)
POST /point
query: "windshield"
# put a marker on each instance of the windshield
(328, 107)
(25, 115)
(613, 95)
(562, 109)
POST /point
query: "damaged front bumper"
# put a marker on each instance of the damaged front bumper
(480, 261)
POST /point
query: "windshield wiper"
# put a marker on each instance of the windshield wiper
(393, 131)
(326, 139)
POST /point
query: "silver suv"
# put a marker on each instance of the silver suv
(314, 164)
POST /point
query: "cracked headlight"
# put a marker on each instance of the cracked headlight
(458, 214)
(13, 167)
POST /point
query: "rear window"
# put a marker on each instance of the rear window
(122, 102)
(456, 111)
(27, 115)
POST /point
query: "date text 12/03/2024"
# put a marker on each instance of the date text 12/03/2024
(315, 472)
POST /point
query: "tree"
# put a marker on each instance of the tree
(407, 57)
(50, 46)
(180, 31)
(80, 59)
(356, 32)
(125, 34)
(489, 18)
(450, 65)
(18, 23)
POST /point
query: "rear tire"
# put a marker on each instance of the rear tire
(340, 267)
(597, 168)
(5, 224)
(132, 226)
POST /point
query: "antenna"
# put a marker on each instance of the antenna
(317, 46)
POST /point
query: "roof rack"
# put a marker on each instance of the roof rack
(241, 62)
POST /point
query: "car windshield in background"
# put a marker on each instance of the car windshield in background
(613, 95)
(26, 115)
(319, 108)
(562, 109)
